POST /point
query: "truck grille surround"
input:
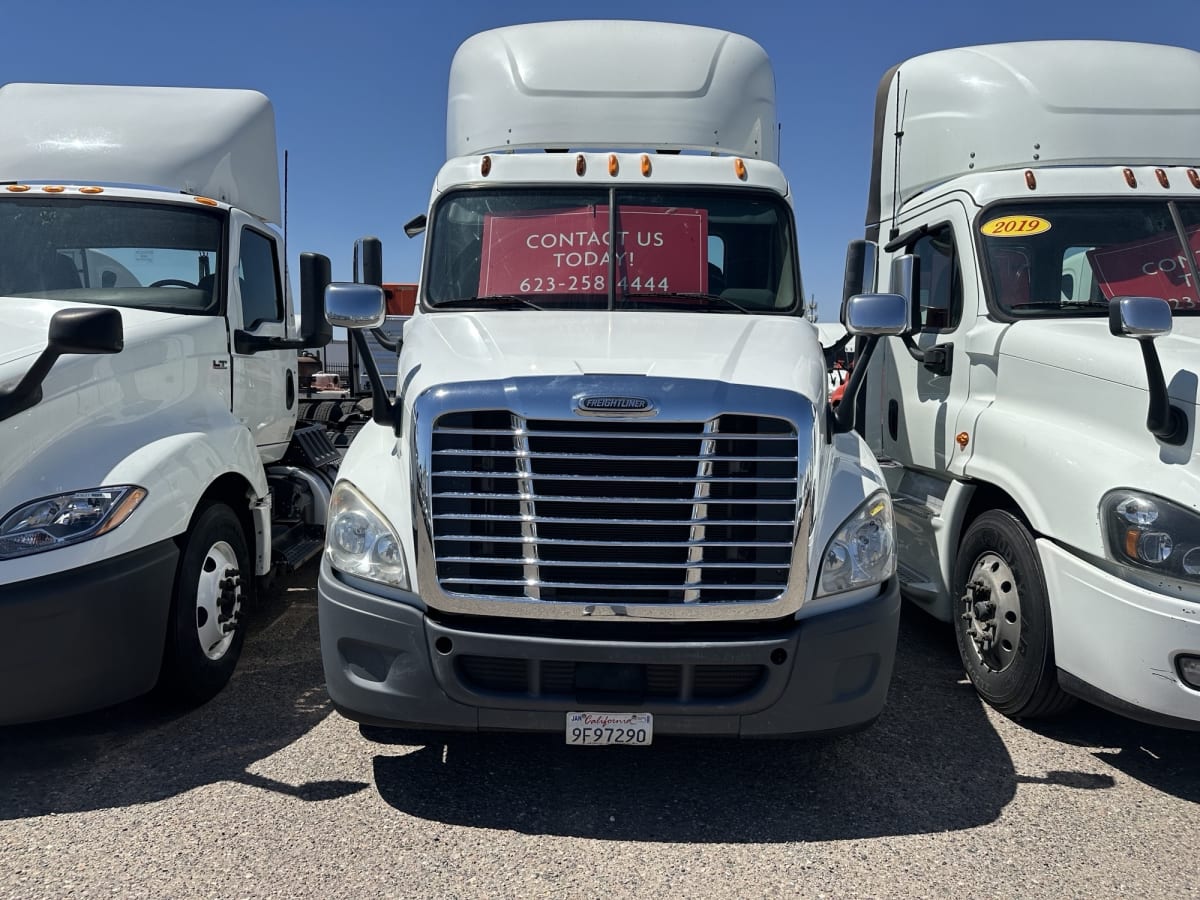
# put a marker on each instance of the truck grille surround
(611, 513)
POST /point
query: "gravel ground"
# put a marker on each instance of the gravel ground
(266, 792)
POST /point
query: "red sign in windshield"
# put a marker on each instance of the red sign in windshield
(659, 250)
(1148, 268)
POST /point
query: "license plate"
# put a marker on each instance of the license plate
(595, 729)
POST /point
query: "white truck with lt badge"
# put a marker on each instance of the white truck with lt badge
(1040, 204)
(150, 466)
(609, 500)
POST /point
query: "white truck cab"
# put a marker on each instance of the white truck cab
(148, 395)
(609, 500)
(1039, 203)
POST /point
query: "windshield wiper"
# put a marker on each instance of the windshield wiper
(513, 300)
(709, 299)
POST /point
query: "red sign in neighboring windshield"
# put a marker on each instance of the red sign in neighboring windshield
(659, 250)
(1148, 268)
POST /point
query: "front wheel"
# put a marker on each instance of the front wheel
(1003, 622)
(207, 623)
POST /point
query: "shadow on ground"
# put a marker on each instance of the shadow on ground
(141, 751)
(933, 762)
(1161, 758)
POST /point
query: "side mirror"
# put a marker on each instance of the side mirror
(315, 330)
(355, 306)
(368, 261)
(1144, 319)
(903, 281)
(861, 261)
(81, 331)
(94, 330)
(876, 315)
(871, 316)
(415, 225)
(1139, 317)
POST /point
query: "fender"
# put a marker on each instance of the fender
(176, 470)
(156, 415)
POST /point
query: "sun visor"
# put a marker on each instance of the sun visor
(611, 85)
(212, 142)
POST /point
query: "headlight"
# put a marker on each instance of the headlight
(360, 541)
(65, 519)
(863, 552)
(1151, 533)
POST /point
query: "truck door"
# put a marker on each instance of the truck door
(920, 401)
(264, 385)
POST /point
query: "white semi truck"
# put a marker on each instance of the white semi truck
(1040, 205)
(609, 500)
(150, 467)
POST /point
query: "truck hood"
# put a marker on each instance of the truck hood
(1087, 347)
(27, 324)
(769, 351)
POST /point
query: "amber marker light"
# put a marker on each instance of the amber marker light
(1193, 177)
(207, 201)
(485, 166)
(962, 439)
(1131, 542)
(1162, 178)
(739, 168)
(613, 165)
(1130, 178)
(580, 164)
(18, 188)
(1030, 180)
(646, 164)
(54, 189)
(91, 190)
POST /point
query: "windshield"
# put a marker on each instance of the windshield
(1069, 258)
(546, 248)
(118, 253)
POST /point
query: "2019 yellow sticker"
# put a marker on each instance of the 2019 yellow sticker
(1014, 226)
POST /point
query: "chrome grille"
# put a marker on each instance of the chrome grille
(605, 511)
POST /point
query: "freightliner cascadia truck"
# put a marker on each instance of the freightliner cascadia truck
(150, 467)
(1039, 203)
(608, 499)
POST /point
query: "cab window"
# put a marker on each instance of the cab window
(258, 280)
(940, 286)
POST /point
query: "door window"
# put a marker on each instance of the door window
(940, 286)
(258, 280)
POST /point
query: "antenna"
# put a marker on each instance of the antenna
(899, 135)
(285, 222)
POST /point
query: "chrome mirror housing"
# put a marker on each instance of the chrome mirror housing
(1139, 317)
(877, 314)
(355, 306)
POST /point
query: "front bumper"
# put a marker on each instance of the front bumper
(390, 663)
(1116, 643)
(86, 638)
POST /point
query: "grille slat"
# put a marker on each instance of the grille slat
(624, 457)
(565, 498)
(562, 542)
(609, 564)
(663, 512)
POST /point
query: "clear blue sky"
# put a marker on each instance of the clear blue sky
(359, 88)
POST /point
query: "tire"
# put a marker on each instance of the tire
(207, 627)
(1002, 620)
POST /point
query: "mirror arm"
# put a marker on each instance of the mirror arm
(938, 359)
(27, 392)
(831, 352)
(1166, 422)
(843, 416)
(384, 341)
(382, 411)
(911, 346)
